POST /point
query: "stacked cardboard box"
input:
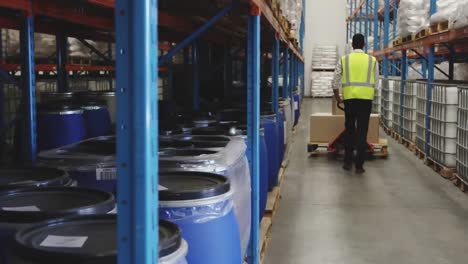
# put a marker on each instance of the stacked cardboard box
(326, 127)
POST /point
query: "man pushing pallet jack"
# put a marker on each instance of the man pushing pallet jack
(357, 73)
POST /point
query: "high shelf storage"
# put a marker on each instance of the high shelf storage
(241, 31)
(403, 34)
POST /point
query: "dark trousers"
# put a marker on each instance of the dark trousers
(357, 115)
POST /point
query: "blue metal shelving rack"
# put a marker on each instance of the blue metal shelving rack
(397, 60)
(137, 63)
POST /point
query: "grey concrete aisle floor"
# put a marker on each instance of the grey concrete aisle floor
(400, 211)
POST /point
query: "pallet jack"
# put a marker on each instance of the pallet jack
(337, 146)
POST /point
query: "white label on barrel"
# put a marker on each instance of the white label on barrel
(162, 188)
(31, 208)
(64, 241)
(296, 105)
(106, 174)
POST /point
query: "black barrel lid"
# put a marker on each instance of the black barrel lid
(213, 131)
(95, 103)
(216, 138)
(185, 152)
(101, 94)
(57, 95)
(169, 143)
(91, 240)
(69, 239)
(170, 238)
(58, 106)
(187, 185)
(31, 177)
(168, 128)
(105, 145)
(34, 205)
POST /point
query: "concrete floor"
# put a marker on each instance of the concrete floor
(400, 211)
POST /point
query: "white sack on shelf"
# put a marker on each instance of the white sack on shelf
(453, 11)
(413, 16)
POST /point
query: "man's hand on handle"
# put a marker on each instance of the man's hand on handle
(338, 98)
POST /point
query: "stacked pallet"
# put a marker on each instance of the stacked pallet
(323, 66)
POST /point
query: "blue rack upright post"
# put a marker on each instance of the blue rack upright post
(29, 144)
(137, 131)
(430, 80)
(286, 73)
(253, 127)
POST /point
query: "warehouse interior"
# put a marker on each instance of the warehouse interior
(218, 131)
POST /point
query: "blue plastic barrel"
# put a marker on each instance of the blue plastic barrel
(91, 163)
(201, 205)
(105, 98)
(296, 108)
(21, 178)
(269, 122)
(24, 207)
(97, 119)
(58, 125)
(264, 167)
(264, 179)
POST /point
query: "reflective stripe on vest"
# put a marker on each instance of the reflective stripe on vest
(358, 76)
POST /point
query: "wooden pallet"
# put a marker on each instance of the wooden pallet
(387, 130)
(397, 42)
(445, 172)
(439, 27)
(460, 183)
(380, 149)
(419, 153)
(408, 144)
(265, 235)
(274, 7)
(407, 39)
(395, 135)
(273, 200)
(422, 34)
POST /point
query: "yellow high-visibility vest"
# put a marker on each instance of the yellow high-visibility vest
(358, 76)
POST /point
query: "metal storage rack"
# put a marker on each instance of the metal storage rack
(138, 26)
(369, 18)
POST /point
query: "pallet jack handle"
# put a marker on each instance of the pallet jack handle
(340, 107)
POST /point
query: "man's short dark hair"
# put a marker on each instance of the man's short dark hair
(358, 41)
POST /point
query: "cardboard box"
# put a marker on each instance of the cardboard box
(335, 109)
(325, 127)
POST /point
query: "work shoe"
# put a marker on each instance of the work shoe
(347, 166)
(360, 170)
